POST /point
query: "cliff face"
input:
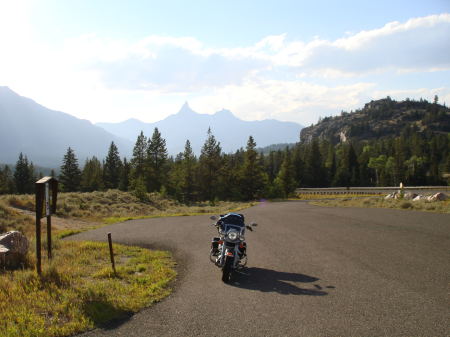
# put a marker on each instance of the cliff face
(381, 118)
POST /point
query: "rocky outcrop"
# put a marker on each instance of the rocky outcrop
(381, 118)
(13, 249)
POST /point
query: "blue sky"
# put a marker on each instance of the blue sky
(288, 60)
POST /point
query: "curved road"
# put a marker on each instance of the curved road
(313, 271)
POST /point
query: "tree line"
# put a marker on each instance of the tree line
(413, 158)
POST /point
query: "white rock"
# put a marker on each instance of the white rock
(437, 197)
(13, 248)
(419, 197)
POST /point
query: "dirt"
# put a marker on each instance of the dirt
(59, 223)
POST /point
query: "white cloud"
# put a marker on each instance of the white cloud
(107, 79)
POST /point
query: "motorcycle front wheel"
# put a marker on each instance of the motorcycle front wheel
(227, 268)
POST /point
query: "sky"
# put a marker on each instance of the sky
(111, 60)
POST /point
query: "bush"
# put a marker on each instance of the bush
(406, 204)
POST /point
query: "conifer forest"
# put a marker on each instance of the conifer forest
(413, 158)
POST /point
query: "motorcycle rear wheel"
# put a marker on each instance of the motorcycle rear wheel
(227, 269)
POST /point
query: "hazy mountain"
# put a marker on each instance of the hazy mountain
(44, 135)
(382, 118)
(231, 131)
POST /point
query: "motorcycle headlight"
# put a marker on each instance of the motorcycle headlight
(232, 235)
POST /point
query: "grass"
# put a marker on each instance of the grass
(310, 196)
(96, 206)
(380, 202)
(78, 290)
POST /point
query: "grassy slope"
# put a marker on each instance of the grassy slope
(78, 290)
(380, 202)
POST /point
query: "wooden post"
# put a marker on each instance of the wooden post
(38, 228)
(49, 237)
(49, 220)
(111, 253)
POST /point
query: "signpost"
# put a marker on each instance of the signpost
(46, 191)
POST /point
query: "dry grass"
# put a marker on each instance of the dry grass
(96, 206)
(380, 202)
(11, 219)
(310, 196)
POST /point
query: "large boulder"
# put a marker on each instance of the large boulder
(13, 249)
(409, 195)
(437, 197)
(420, 197)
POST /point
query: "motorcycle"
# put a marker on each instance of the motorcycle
(229, 249)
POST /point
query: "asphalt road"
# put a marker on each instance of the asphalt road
(312, 271)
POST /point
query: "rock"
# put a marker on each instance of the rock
(437, 197)
(419, 197)
(390, 196)
(13, 248)
(409, 195)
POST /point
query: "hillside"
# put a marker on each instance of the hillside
(381, 118)
(231, 131)
(44, 135)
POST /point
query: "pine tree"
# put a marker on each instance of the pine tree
(32, 178)
(156, 162)
(125, 175)
(253, 180)
(92, 176)
(137, 163)
(188, 164)
(6, 181)
(22, 175)
(112, 168)
(70, 176)
(286, 176)
(209, 166)
(314, 172)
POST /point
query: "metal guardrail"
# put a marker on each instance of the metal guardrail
(371, 190)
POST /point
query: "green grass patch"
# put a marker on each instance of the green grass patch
(79, 291)
(380, 202)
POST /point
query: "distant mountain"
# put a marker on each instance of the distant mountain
(44, 135)
(231, 131)
(381, 118)
(274, 147)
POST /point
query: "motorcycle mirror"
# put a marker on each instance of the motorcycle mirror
(213, 217)
(249, 228)
(254, 224)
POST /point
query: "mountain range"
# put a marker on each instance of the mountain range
(229, 130)
(44, 135)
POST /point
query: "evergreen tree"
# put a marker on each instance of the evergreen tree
(314, 172)
(70, 176)
(112, 168)
(125, 175)
(253, 180)
(92, 175)
(22, 177)
(188, 164)
(156, 162)
(298, 164)
(286, 176)
(209, 166)
(6, 181)
(137, 164)
(32, 178)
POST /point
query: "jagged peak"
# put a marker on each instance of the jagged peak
(186, 109)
